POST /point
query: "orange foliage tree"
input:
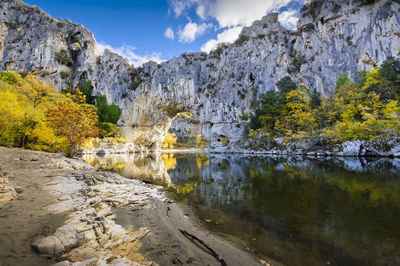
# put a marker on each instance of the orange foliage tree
(73, 120)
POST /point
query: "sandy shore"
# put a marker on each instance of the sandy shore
(72, 214)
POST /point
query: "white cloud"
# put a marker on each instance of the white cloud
(244, 12)
(231, 16)
(228, 35)
(169, 33)
(179, 6)
(201, 12)
(229, 13)
(289, 19)
(191, 31)
(128, 52)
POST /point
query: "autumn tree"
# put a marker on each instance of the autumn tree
(37, 91)
(297, 115)
(73, 121)
(169, 141)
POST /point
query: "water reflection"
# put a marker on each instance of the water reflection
(151, 167)
(300, 212)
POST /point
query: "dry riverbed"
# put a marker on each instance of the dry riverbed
(55, 210)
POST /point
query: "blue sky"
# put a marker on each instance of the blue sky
(161, 29)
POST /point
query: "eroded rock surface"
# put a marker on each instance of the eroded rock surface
(90, 234)
(7, 192)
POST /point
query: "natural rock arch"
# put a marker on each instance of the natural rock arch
(148, 127)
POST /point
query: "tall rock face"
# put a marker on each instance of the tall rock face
(333, 37)
(30, 39)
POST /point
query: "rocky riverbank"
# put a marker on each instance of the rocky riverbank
(309, 147)
(316, 147)
(73, 214)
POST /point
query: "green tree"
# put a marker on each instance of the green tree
(342, 80)
(390, 70)
(87, 91)
(361, 78)
(390, 74)
(269, 111)
(107, 112)
(315, 99)
(285, 85)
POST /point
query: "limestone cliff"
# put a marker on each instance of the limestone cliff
(333, 37)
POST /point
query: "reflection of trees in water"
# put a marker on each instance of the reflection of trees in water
(357, 210)
(345, 205)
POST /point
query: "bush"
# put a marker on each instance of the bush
(298, 60)
(169, 141)
(136, 80)
(241, 40)
(62, 57)
(108, 130)
(66, 75)
(244, 116)
(10, 77)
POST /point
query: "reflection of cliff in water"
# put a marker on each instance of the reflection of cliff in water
(295, 210)
(346, 208)
(150, 167)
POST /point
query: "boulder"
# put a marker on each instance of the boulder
(50, 245)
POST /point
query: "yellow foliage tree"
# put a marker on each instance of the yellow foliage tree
(169, 141)
(373, 77)
(297, 114)
(11, 111)
(34, 115)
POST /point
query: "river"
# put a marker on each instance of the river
(294, 210)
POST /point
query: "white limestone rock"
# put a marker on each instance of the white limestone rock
(50, 245)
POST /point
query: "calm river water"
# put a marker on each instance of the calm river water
(296, 211)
